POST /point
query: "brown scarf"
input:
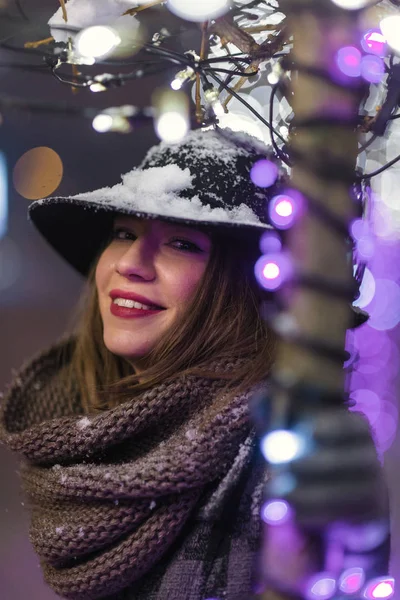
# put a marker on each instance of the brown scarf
(111, 492)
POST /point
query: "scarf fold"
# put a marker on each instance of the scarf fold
(111, 492)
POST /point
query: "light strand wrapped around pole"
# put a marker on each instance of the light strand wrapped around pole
(308, 377)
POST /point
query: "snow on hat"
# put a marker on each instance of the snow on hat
(203, 180)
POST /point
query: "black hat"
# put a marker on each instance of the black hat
(204, 179)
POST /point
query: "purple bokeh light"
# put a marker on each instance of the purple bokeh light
(272, 270)
(374, 42)
(382, 588)
(348, 60)
(352, 580)
(276, 512)
(270, 242)
(264, 173)
(321, 587)
(372, 68)
(285, 208)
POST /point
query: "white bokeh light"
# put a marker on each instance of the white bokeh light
(352, 4)
(172, 126)
(390, 27)
(281, 446)
(97, 41)
(198, 10)
(102, 123)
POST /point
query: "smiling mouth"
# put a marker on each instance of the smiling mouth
(138, 305)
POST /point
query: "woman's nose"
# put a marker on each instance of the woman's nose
(137, 260)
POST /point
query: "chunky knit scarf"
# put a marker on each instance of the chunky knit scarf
(157, 498)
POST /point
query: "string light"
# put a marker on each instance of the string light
(264, 173)
(211, 96)
(97, 41)
(374, 42)
(116, 119)
(353, 4)
(390, 27)
(272, 270)
(372, 68)
(195, 10)
(348, 60)
(284, 209)
(182, 77)
(321, 587)
(382, 588)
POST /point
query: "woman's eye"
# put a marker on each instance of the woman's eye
(122, 234)
(185, 246)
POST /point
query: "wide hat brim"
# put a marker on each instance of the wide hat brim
(77, 229)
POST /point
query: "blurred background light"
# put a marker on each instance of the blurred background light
(270, 242)
(321, 587)
(38, 173)
(195, 10)
(352, 4)
(172, 120)
(282, 446)
(352, 580)
(3, 195)
(382, 588)
(390, 27)
(97, 41)
(272, 270)
(264, 173)
(102, 123)
(284, 209)
(372, 68)
(374, 42)
(348, 60)
(276, 512)
(367, 290)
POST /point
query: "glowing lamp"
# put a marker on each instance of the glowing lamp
(382, 588)
(264, 173)
(372, 68)
(284, 209)
(195, 10)
(348, 61)
(97, 41)
(276, 512)
(281, 446)
(352, 580)
(272, 270)
(390, 27)
(374, 42)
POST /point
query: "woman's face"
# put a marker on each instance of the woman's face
(155, 263)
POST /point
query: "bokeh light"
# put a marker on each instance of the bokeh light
(270, 242)
(97, 41)
(272, 270)
(284, 209)
(193, 10)
(373, 42)
(367, 290)
(390, 27)
(372, 68)
(352, 580)
(321, 587)
(38, 173)
(348, 60)
(172, 127)
(276, 512)
(282, 446)
(352, 4)
(382, 588)
(264, 173)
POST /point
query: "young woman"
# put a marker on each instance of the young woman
(141, 469)
(140, 463)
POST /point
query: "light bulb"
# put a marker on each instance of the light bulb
(198, 10)
(97, 41)
(102, 123)
(282, 446)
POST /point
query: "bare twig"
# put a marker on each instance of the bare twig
(203, 56)
(64, 10)
(38, 43)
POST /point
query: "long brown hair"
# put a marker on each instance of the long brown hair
(223, 321)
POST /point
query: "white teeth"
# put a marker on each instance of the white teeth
(132, 304)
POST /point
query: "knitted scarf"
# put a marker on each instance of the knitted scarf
(137, 501)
